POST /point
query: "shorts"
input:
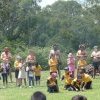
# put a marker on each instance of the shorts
(37, 78)
(96, 65)
(16, 73)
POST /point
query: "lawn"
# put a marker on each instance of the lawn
(16, 93)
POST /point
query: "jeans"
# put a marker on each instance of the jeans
(31, 81)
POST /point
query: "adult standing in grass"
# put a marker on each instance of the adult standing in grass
(55, 50)
(95, 59)
(6, 57)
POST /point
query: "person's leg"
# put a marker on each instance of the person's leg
(39, 79)
(20, 81)
(55, 89)
(6, 78)
(88, 85)
(36, 79)
(32, 81)
(10, 75)
(3, 77)
(25, 81)
(29, 79)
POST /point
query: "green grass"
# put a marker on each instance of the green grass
(15, 93)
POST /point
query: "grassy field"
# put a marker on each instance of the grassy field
(15, 93)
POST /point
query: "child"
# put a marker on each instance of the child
(16, 65)
(37, 71)
(38, 96)
(22, 73)
(86, 80)
(67, 78)
(52, 84)
(5, 71)
(76, 83)
(79, 97)
(53, 64)
(29, 69)
(71, 63)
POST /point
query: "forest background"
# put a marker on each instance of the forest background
(24, 25)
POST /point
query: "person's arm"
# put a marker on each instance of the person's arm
(1, 56)
(48, 83)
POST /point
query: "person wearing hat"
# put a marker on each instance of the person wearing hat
(6, 57)
(95, 59)
(81, 56)
(52, 83)
(67, 78)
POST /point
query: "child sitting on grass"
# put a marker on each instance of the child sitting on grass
(67, 77)
(52, 84)
(86, 80)
(76, 83)
(37, 72)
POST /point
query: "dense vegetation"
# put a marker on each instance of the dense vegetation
(24, 24)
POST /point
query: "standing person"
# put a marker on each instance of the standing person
(30, 71)
(71, 63)
(16, 65)
(5, 70)
(55, 50)
(22, 73)
(37, 71)
(95, 60)
(6, 57)
(53, 62)
(81, 56)
(30, 60)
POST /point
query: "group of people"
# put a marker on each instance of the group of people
(29, 69)
(75, 76)
(24, 69)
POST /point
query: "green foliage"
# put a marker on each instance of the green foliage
(24, 24)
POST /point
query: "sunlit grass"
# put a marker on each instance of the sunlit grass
(15, 93)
